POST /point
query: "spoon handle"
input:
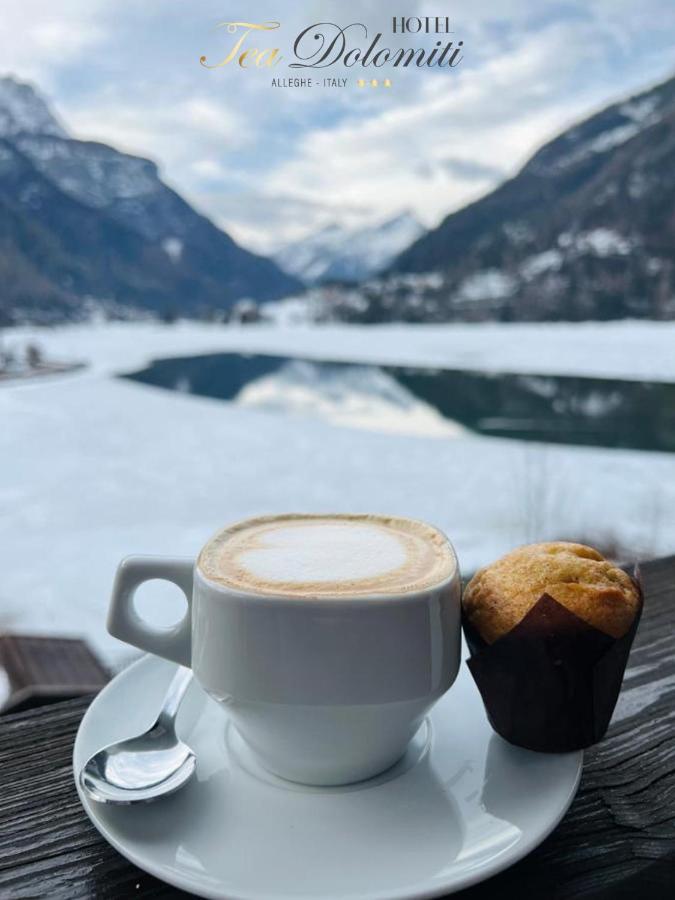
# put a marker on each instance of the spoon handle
(174, 694)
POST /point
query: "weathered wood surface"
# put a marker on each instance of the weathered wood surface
(617, 840)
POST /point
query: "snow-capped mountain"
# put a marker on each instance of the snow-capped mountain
(23, 111)
(340, 254)
(81, 222)
(586, 230)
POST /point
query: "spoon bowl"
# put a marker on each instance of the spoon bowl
(145, 767)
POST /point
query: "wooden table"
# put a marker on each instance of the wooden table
(617, 840)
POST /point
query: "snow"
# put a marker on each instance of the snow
(639, 184)
(23, 111)
(638, 350)
(603, 242)
(488, 285)
(94, 174)
(608, 140)
(291, 311)
(310, 257)
(642, 109)
(548, 261)
(95, 468)
(640, 114)
(352, 254)
(173, 247)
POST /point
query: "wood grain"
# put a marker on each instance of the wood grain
(617, 840)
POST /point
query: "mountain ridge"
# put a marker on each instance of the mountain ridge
(106, 229)
(349, 254)
(584, 230)
(24, 111)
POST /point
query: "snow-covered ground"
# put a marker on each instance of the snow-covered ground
(627, 349)
(94, 468)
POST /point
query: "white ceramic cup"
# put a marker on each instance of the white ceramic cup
(324, 691)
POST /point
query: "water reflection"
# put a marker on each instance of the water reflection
(559, 409)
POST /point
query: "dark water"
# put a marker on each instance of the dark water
(569, 410)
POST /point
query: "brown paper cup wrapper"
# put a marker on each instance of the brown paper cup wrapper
(551, 683)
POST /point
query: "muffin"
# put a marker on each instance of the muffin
(578, 577)
(550, 627)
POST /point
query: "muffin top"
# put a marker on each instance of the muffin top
(578, 577)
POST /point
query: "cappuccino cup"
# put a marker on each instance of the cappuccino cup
(326, 638)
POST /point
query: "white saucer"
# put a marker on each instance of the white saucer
(460, 806)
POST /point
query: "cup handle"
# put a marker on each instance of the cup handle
(172, 643)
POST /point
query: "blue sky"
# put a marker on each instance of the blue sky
(271, 164)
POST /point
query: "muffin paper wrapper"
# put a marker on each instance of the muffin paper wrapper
(551, 683)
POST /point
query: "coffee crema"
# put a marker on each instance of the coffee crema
(328, 556)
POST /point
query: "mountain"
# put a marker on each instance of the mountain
(339, 254)
(586, 230)
(24, 111)
(83, 223)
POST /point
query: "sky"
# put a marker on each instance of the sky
(273, 164)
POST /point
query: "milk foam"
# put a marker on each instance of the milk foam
(328, 555)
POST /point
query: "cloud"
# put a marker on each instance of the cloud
(406, 156)
(266, 221)
(470, 170)
(208, 169)
(38, 37)
(454, 139)
(190, 138)
(272, 164)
